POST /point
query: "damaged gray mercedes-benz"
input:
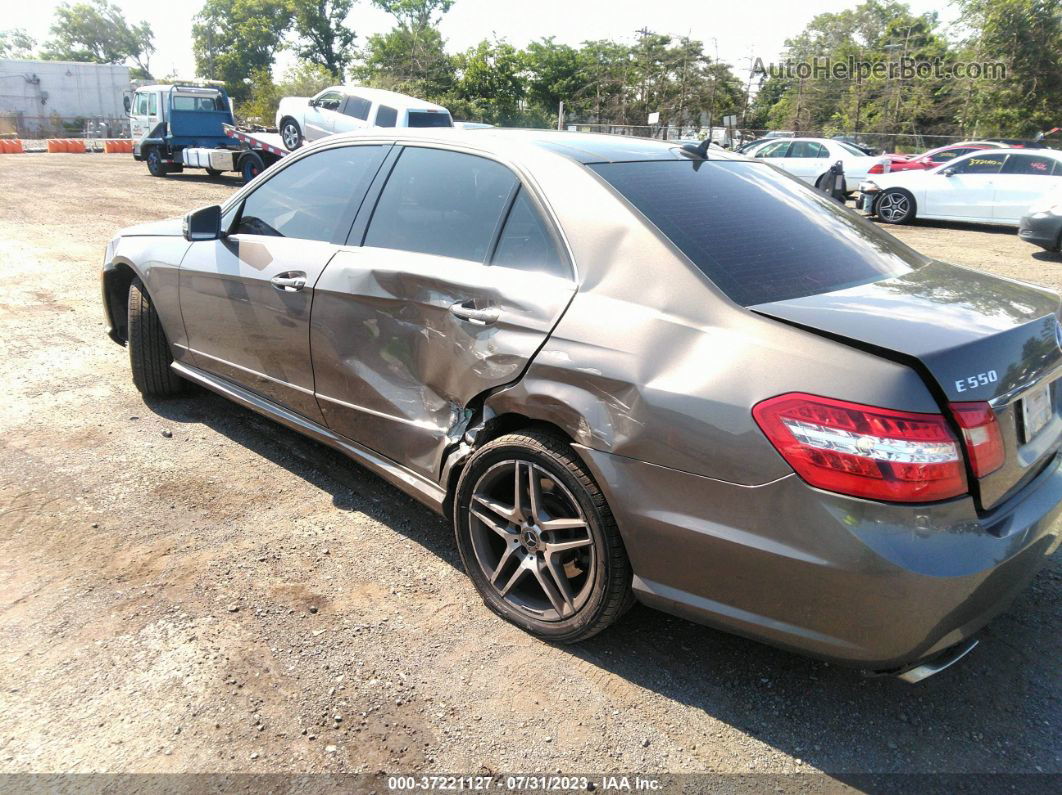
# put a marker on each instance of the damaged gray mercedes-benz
(631, 370)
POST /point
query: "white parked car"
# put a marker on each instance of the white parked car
(989, 186)
(810, 159)
(347, 108)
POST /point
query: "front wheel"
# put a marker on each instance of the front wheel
(895, 206)
(538, 539)
(155, 164)
(149, 351)
(291, 134)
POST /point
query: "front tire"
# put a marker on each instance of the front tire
(154, 162)
(149, 350)
(291, 134)
(538, 539)
(895, 206)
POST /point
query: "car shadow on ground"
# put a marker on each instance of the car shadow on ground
(226, 180)
(997, 711)
(1048, 256)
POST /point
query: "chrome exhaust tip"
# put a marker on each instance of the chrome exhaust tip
(935, 665)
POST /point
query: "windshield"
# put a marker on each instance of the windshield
(758, 234)
(424, 118)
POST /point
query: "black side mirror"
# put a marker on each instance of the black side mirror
(312, 103)
(128, 103)
(948, 172)
(203, 224)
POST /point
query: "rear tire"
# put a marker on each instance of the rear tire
(251, 165)
(895, 206)
(290, 134)
(149, 350)
(561, 572)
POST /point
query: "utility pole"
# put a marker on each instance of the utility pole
(560, 116)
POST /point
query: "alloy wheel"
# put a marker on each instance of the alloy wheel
(532, 541)
(893, 206)
(290, 135)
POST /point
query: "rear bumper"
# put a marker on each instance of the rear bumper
(868, 584)
(1042, 229)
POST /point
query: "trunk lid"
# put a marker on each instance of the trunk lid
(974, 337)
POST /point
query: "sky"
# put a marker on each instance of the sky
(757, 29)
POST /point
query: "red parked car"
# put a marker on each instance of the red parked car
(932, 158)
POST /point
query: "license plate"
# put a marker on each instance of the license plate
(1036, 411)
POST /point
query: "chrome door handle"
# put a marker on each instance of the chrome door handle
(289, 282)
(478, 317)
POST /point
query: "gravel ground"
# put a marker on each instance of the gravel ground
(185, 586)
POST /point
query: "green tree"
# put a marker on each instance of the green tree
(411, 57)
(16, 43)
(234, 39)
(97, 32)
(323, 35)
(490, 85)
(302, 80)
(1026, 37)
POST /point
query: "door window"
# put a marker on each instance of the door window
(330, 101)
(774, 150)
(950, 154)
(357, 107)
(386, 117)
(315, 198)
(526, 243)
(1030, 165)
(807, 149)
(441, 202)
(979, 164)
(141, 107)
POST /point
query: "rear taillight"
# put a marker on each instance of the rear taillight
(877, 168)
(980, 432)
(864, 451)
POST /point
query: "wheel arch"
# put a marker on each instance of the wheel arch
(117, 277)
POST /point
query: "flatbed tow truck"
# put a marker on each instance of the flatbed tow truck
(191, 126)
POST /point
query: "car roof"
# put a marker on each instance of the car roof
(580, 147)
(392, 98)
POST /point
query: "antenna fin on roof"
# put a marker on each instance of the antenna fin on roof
(701, 149)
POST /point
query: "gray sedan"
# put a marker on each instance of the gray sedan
(631, 370)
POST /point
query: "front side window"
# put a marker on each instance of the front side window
(330, 101)
(141, 107)
(777, 149)
(441, 202)
(807, 149)
(315, 198)
(357, 107)
(758, 234)
(1029, 165)
(950, 154)
(979, 164)
(386, 117)
(526, 243)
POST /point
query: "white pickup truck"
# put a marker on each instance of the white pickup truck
(344, 108)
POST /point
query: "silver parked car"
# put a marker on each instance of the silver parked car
(627, 371)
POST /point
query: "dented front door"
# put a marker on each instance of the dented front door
(404, 342)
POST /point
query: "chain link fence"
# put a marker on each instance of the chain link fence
(21, 125)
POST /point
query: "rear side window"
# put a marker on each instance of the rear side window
(759, 235)
(526, 243)
(358, 107)
(153, 103)
(315, 198)
(441, 202)
(424, 118)
(1029, 165)
(777, 149)
(980, 164)
(386, 116)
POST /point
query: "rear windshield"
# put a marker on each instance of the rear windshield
(185, 102)
(759, 234)
(422, 118)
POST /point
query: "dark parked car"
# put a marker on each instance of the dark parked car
(1042, 224)
(627, 372)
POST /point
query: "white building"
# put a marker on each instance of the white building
(45, 98)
